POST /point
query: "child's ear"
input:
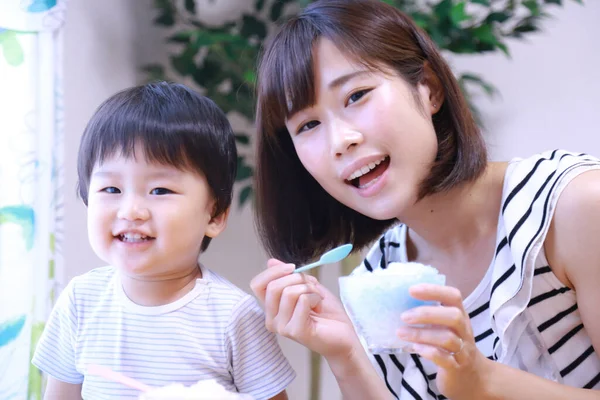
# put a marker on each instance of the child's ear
(217, 224)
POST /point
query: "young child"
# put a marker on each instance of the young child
(363, 130)
(156, 168)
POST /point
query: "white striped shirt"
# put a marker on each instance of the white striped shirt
(521, 313)
(216, 331)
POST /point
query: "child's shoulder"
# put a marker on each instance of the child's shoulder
(92, 283)
(95, 277)
(225, 294)
(222, 285)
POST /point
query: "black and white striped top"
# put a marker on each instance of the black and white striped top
(521, 314)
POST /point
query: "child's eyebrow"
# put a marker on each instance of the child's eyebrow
(152, 175)
(103, 174)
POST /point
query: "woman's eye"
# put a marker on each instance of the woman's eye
(160, 191)
(309, 125)
(354, 97)
(111, 190)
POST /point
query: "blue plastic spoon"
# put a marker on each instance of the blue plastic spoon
(330, 257)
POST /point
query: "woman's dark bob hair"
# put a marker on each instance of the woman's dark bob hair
(296, 218)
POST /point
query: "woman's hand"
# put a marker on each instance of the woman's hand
(449, 343)
(298, 307)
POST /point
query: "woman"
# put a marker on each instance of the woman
(362, 130)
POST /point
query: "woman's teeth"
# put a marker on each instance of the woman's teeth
(361, 171)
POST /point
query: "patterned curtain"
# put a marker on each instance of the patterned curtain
(30, 182)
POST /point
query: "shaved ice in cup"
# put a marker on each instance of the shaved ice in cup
(375, 301)
(203, 390)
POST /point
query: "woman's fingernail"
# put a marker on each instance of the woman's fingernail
(403, 333)
(408, 316)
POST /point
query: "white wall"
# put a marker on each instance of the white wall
(549, 99)
(549, 89)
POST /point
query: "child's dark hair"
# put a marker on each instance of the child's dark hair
(174, 125)
(296, 218)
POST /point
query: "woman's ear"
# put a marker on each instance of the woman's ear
(432, 91)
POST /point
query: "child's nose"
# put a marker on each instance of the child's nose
(133, 209)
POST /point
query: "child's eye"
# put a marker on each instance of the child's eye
(160, 191)
(354, 97)
(308, 126)
(111, 190)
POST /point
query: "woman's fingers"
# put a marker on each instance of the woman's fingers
(449, 317)
(276, 270)
(299, 325)
(275, 289)
(438, 356)
(447, 295)
(433, 336)
(289, 303)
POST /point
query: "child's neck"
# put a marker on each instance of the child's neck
(152, 292)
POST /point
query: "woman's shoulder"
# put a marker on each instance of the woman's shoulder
(542, 172)
(552, 158)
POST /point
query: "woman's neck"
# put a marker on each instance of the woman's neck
(451, 222)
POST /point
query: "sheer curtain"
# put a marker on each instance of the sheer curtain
(30, 182)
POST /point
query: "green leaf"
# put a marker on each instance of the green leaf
(244, 171)
(154, 72)
(443, 8)
(559, 2)
(532, 6)
(489, 89)
(252, 26)
(245, 195)
(498, 16)
(242, 138)
(250, 76)
(458, 14)
(184, 63)
(485, 34)
(523, 28)
(206, 38)
(421, 19)
(258, 6)
(190, 6)
(503, 48)
(277, 9)
(166, 16)
(482, 2)
(181, 37)
(209, 74)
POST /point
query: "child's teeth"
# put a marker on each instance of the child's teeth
(133, 237)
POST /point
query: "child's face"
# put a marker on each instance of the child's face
(369, 121)
(149, 219)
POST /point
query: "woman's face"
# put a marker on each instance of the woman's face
(368, 140)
